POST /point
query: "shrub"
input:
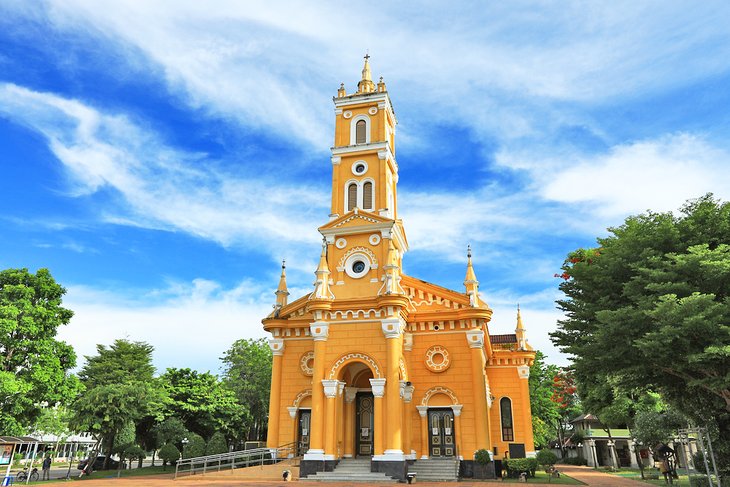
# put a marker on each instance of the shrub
(195, 446)
(483, 456)
(515, 466)
(699, 481)
(575, 461)
(546, 458)
(169, 453)
(217, 444)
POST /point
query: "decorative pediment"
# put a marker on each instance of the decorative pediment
(426, 296)
(356, 218)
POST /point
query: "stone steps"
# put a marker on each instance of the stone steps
(431, 469)
(351, 470)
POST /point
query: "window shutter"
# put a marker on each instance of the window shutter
(367, 196)
(360, 127)
(351, 196)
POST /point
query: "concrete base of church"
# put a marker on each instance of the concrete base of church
(393, 468)
(311, 467)
(469, 469)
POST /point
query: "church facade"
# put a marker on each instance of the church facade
(378, 364)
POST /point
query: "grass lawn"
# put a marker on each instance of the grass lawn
(104, 474)
(543, 478)
(635, 474)
(134, 472)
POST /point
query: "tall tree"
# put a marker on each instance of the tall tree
(34, 366)
(649, 309)
(545, 413)
(203, 403)
(567, 404)
(119, 390)
(247, 371)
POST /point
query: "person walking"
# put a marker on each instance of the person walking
(46, 468)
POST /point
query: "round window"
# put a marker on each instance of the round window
(359, 168)
(357, 265)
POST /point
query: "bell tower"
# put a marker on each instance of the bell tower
(365, 238)
(363, 156)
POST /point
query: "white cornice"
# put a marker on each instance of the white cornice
(347, 149)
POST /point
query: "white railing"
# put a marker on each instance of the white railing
(233, 460)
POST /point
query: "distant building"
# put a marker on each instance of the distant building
(377, 364)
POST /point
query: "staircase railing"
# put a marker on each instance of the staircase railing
(233, 460)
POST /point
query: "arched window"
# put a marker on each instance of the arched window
(367, 195)
(351, 196)
(505, 408)
(360, 134)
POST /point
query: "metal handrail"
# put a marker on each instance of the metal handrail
(233, 460)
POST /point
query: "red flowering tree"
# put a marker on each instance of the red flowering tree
(566, 400)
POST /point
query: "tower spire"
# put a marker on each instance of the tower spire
(366, 84)
(282, 292)
(470, 282)
(322, 283)
(520, 332)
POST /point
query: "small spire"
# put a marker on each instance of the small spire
(341, 91)
(366, 84)
(392, 272)
(322, 283)
(470, 281)
(282, 292)
(520, 332)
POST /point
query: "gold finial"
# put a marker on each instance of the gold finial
(468, 251)
(283, 263)
(366, 84)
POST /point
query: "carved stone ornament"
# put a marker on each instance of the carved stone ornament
(306, 363)
(437, 359)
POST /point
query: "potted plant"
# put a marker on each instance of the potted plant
(483, 467)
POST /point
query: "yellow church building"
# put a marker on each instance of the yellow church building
(376, 368)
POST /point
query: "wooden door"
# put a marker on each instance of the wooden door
(364, 422)
(303, 431)
(441, 442)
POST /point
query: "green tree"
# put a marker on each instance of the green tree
(652, 428)
(120, 389)
(567, 403)
(649, 310)
(202, 402)
(247, 371)
(169, 454)
(34, 366)
(195, 447)
(545, 412)
(217, 444)
(171, 430)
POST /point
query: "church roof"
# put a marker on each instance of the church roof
(503, 339)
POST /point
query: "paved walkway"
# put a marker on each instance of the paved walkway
(596, 478)
(589, 476)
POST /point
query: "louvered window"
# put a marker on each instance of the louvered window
(367, 196)
(351, 196)
(360, 128)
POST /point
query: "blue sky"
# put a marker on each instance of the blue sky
(161, 158)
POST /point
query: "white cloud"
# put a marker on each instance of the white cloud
(659, 174)
(496, 68)
(162, 187)
(189, 324)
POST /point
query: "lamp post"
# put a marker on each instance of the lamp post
(184, 442)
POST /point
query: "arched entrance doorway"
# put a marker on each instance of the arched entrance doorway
(359, 398)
